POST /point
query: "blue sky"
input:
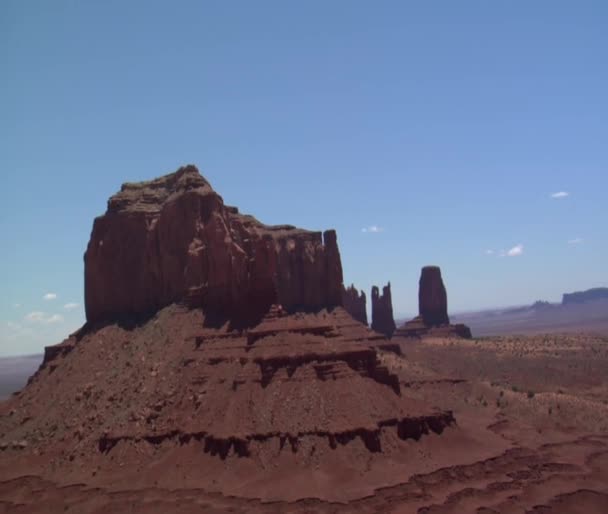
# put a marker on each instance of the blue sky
(442, 128)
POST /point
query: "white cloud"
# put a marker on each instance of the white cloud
(50, 296)
(575, 241)
(70, 306)
(17, 305)
(489, 252)
(35, 316)
(373, 229)
(43, 317)
(516, 251)
(560, 194)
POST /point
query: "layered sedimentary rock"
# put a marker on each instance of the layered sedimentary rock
(173, 238)
(355, 303)
(236, 412)
(432, 316)
(382, 311)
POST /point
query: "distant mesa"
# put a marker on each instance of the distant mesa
(432, 316)
(542, 305)
(355, 304)
(172, 239)
(590, 295)
(382, 311)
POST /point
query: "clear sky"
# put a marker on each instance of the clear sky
(430, 132)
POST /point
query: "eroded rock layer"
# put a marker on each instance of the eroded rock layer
(296, 393)
(173, 238)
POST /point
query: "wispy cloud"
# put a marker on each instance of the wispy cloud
(373, 229)
(50, 296)
(575, 241)
(70, 306)
(17, 305)
(489, 252)
(560, 194)
(13, 326)
(515, 251)
(43, 317)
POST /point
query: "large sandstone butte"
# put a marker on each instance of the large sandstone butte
(173, 239)
(355, 304)
(432, 316)
(382, 311)
(216, 347)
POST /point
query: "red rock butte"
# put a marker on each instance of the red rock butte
(216, 346)
(172, 239)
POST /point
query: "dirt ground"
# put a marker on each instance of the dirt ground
(530, 436)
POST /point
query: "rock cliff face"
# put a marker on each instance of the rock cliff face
(355, 303)
(432, 297)
(382, 311)
(172, 239)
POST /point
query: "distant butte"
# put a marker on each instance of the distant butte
(432, 316)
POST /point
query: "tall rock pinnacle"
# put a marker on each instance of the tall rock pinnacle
(432, 297)
(382, 311)
(355, 304)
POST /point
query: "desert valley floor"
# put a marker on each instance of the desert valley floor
(530, 435)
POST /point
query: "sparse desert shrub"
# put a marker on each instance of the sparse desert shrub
(530, 394)
(501, 394)
(514, 389)
(550, 411)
